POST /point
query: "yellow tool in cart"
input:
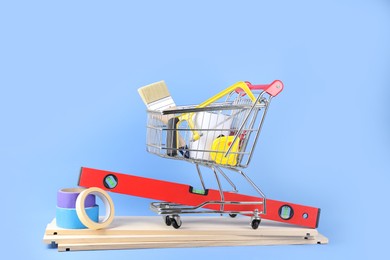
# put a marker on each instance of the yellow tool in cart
(219, 148)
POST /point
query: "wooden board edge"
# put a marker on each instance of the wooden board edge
(124, 239)
(186, 244)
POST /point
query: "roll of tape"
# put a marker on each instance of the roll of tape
(81, 210)
(66, 198)
(67, 217)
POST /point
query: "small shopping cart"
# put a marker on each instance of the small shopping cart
(219, 134)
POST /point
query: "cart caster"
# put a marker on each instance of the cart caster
(255, 223)
(233, 215)
(175, 221)
(167, 220)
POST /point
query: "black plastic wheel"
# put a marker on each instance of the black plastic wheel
(168, 221)
(175, 224)
(233, 215)
(255, 223)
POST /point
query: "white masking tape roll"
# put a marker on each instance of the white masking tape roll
(82, 214)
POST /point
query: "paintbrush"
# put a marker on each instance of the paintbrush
(156, 96)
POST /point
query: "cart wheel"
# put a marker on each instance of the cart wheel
(175, 221)
(233, 215)
(255, 223)
(168, 221)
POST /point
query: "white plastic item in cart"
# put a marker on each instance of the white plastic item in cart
(205, 121)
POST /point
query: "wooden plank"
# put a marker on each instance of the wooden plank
(76, 239)
(319, 239)
(134, 232)
(200, 225)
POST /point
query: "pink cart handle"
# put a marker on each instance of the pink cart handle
(272, 89)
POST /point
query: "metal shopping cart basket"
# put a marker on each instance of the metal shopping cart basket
(220, 133)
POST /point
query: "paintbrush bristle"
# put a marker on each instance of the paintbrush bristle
(154, 92)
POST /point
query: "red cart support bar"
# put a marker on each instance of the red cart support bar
(286, 212)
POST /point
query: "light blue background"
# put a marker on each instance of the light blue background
(69, 71)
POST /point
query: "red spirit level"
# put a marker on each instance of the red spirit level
(286, 212)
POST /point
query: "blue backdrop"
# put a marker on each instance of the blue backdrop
(69, 77)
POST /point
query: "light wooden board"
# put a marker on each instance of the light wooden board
(132, 232)
(66, 239)
(200, 225)
(319, 239)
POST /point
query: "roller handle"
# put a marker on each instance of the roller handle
(172, 139)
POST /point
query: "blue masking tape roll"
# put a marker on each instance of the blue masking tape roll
(67, 217)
